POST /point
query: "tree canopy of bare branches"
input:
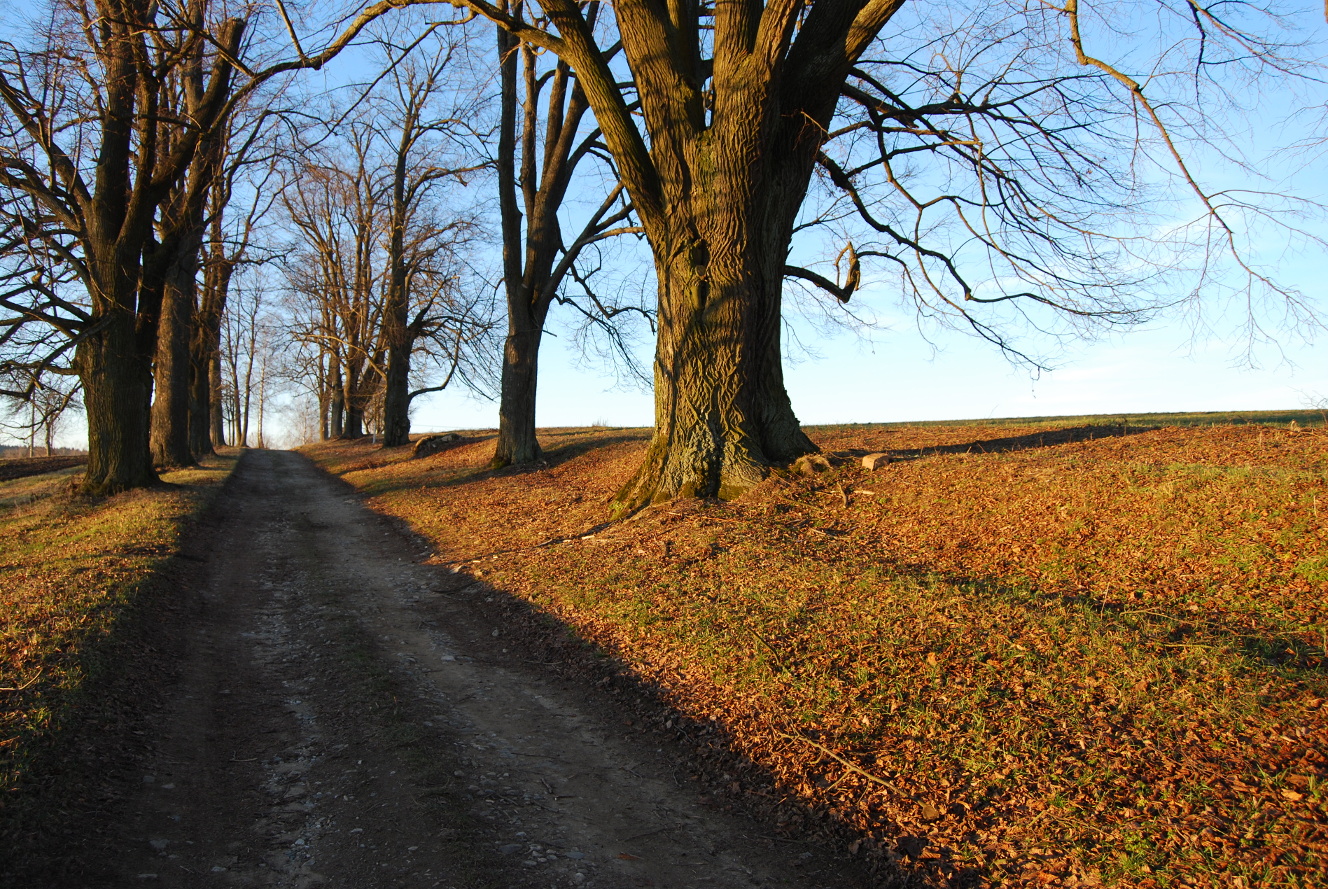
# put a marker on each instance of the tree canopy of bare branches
(103, 110)
(382, 295)
(1016, 159)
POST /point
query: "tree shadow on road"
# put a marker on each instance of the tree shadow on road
(712, 761)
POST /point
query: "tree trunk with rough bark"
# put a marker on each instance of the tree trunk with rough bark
(204, 351)
(722, 415)
(336, 389)
(723, 418)
(352, 400)
(218, 411)
(171, 368)
(353, 423)
(117, 387)
(396, 329)
(396, 395)
(517, 441)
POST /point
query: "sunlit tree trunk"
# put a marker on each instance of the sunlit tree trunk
(722, 415)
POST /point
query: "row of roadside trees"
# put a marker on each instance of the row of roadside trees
(1001, 169)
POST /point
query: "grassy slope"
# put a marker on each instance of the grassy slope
(72, 569)
(1012, 656)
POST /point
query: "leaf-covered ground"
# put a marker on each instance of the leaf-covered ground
(71, 569)
(1040, 655)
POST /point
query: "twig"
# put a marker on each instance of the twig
(761, 639)
(25, 686)
(837, 758)
(589, 532)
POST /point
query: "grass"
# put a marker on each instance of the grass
(73, 570)
(1055, 653)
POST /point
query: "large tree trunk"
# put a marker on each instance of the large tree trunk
(396, 310)
(517, 441)
(396, 382)
(354, 422)
(324, 399)
(396, 397)
(170, 407)
(200, 392)
(200, 398)
(337, 393)
(218, 409)
(206, 424)
(722, 415)
(117, 387)
(352, 404)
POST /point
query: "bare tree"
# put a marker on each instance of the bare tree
(102, 114)
(253, 365)
(41, 411)
(375, 268)
(1039, 155)
(338, 211)
(538, 155)
(420, 140)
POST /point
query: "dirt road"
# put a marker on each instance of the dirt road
(346, 717)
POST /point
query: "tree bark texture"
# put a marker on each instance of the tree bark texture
(117, 386)
(337, 426)
(396, 396)
(722, 415)
(206, 431)
(518, 443)
(172, 365)
(396, 308)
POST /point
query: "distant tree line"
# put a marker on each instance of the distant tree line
(187, 225)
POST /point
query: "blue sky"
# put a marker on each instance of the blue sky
(897, 376)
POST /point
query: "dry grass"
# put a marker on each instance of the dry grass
(72, 568)
(1014, 656)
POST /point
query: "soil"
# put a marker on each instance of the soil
(21, 467)
(337, 714)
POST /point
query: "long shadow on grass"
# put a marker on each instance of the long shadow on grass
(552, 457)
(713, 765)
(1047, 439)
(54, 822)
(1248, 634)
